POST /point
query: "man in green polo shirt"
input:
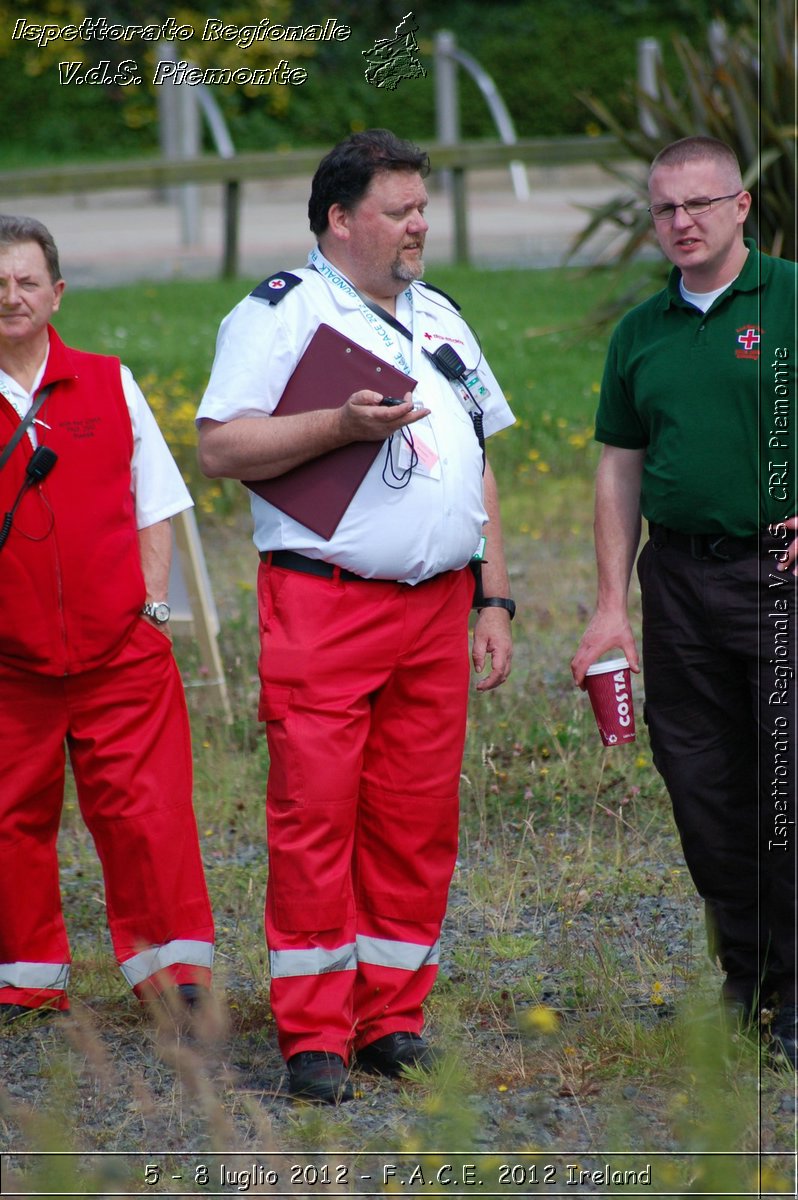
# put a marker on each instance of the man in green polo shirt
(697, 418)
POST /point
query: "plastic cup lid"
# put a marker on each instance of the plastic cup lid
(612, 664)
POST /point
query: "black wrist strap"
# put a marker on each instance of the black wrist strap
(496, 602)
(21, 429)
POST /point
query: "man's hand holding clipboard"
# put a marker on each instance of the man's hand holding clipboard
(339, 383)
(361, 423)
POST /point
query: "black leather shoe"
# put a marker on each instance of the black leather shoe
(178, 1007)
(192, 994)
(318, 1076)
(390, 1054)
(784, 1036)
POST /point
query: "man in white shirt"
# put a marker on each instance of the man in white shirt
(364, 664)
(88, 486)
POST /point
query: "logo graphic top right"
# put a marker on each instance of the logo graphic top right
(393, 59)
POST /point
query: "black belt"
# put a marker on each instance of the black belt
(289, 560)
(704, 545)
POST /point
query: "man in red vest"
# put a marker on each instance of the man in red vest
(87, 486)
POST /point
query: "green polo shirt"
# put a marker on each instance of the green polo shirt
(711, 398)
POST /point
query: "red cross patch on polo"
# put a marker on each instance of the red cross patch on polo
(748, 340)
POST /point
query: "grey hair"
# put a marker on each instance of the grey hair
(14, 230)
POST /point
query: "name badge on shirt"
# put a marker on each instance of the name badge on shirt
(476, 387)
(428, 461)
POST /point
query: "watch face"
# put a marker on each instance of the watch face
(159, 612)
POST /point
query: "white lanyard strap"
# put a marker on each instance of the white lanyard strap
(377, 324)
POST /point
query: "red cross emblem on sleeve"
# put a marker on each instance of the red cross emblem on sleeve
(749, 337)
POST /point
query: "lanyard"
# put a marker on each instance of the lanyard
(375, 315)
(393, 321)
(24, 424)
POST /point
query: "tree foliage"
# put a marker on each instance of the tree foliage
(539, 52)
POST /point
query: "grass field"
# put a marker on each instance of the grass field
(574, 996)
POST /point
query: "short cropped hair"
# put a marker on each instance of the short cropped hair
(14, 230)
(344, 175)
(699, 149)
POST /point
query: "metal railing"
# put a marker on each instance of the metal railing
(231, 173)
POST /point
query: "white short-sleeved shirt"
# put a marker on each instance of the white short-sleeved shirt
(408, 533)
(156, 482)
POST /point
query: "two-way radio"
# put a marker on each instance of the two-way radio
(446, 360)
(40, 465)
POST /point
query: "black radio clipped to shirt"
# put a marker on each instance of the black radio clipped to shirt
(41, 463)
(446, 360)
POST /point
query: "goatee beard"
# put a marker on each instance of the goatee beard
(406, 273)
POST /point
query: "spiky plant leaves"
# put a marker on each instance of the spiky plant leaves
(740, 88)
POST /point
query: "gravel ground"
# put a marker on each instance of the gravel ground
(112, 1079)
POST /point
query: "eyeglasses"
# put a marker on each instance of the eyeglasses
(693, 208)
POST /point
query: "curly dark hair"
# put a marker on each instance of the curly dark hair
(343, 176)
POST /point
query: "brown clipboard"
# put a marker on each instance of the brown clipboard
(317, 493)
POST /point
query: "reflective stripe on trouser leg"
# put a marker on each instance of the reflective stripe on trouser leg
(394, 979)
(315, 960)
(33, 942)
(130, 747)
(34, 984)
(312, 988)
(148, 964)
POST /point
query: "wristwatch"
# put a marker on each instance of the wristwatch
(158, 610)
(497, 602)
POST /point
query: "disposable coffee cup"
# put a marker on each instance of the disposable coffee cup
(609, 686)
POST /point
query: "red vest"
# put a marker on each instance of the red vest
(71, 585)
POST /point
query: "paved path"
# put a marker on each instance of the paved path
(118, 237)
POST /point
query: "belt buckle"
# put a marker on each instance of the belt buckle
(715, 552)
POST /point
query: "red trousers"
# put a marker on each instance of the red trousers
(126, 728)
(364, 694)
